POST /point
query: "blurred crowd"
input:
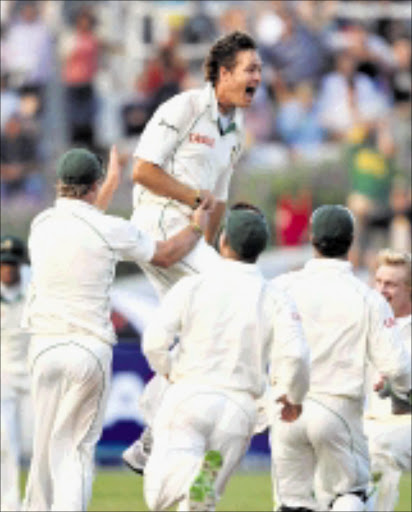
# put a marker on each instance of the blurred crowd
(92, 73)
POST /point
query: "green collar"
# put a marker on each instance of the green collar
(230, 128)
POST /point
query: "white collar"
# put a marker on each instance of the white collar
(73, 204)
(329, 263)
(209, 100)
(240, 266)
(12, 293)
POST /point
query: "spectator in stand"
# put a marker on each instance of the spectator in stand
(27, 53)
(348, 97)
(371, 169)
(79, 50)
(299, 54)
(200, 27)
(373, 55)
(298, 122)
(19, 161)
(173, 72)
(9, 100)
(161, 78)
(401, 75)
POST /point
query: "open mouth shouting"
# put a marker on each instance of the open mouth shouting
(250, 92)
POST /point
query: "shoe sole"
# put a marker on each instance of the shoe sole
(139, 471)
(201, 490)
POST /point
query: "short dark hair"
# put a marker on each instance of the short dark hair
(224, 52)
(333, 248)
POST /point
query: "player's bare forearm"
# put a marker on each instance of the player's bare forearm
(161, 183)
(176, 247)
(111, 181)
(214, 222)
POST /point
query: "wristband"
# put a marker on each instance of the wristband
(196, 227)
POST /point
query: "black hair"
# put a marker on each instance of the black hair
(333, 247)
(224, 52)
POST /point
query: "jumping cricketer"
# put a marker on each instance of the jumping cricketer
(186, 154)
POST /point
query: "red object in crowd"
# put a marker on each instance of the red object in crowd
(292, 218)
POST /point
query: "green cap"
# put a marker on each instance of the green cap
(332, 223)
(79, 167)
(12, 250)
(247, 232)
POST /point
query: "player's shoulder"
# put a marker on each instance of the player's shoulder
(184, 103)
(284, 282)
(42, 216)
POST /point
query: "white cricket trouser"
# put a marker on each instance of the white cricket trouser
(390, 454)
(193, 419)
(324, 451)
(162, 223)
(70, 383)
(14, 392)
(9, 498)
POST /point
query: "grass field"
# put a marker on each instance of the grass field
(121, 490)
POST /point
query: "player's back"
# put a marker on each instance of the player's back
(227, 328)
(72, 269)
(335, 309)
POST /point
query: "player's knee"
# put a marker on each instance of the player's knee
(153, 499)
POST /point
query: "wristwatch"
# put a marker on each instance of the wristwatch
(198, 200)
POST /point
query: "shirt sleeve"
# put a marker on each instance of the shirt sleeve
(160, 333)
(165, 129)
(129, 243)
(290, 358)
(385, 348)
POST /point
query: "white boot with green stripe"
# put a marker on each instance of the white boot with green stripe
(202, 492)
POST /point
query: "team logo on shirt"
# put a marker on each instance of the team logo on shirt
(389, 322)
(201, 139)
(235, 152)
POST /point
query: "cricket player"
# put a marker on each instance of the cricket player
(186, 154)
(15, 385)
(345, 323)
(74, 248)
(232, 324)
(388, 419)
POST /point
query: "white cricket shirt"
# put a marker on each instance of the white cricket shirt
(376, 406)
(14, 341)
(74, 249)
(232, 325)
(183, 138)
(345, 323)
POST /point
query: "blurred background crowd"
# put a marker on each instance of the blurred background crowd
(330, 122)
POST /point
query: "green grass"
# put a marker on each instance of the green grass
(121, 490)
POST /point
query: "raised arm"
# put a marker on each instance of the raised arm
(111, 181)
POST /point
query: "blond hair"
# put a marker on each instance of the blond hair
(73, 191)
(396, 259)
